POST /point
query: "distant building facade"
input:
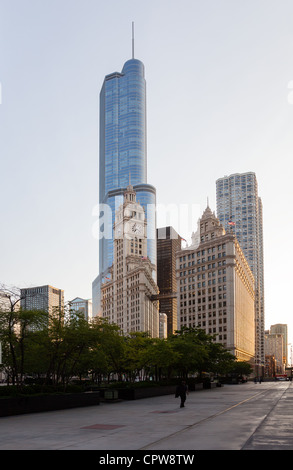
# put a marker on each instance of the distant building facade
(45, 298)
(281, 328)
(83, 306)
(168, 243)
(216, 288)
(274, 347)
(163, 332)
(129, 294)
(270, 365)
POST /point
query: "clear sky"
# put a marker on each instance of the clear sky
(219, 101)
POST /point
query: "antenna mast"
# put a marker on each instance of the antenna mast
(133, 40)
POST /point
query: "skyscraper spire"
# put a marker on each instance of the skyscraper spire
(133, 40)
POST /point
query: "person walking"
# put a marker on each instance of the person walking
(182, 391)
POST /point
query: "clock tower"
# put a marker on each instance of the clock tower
(130, 225)
(129, 298)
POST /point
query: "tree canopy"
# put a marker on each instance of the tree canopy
(60, 345)
(56, 349)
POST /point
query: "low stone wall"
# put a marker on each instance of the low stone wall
(34, 404)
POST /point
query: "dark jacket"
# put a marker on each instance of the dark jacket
(181, 390)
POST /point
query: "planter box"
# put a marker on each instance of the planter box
(142, 392)
(145, 392)
(35, 404)
(111, 394)
(196, 386)
(136, 393)
(208, 385)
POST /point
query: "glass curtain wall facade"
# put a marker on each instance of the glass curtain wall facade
(238, 202)
(123, 129)
(123, 158)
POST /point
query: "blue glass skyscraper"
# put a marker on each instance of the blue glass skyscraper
(123, 128)
(123, 158)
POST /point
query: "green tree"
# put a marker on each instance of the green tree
(109, 348)
(16, 332)
(219, 359)
(199, 353)
(137, 344)
(240, 369)
(160, 357)
(76, 342)
(190, 345)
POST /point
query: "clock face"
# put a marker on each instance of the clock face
(136, 229)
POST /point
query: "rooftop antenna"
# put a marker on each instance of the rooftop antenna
(133, 40)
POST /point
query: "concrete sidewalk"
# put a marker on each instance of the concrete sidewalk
(225, 418)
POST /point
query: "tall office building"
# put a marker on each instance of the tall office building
(239, 207)
(123, 160)
(168, 243)
(46, 298)
(216, 288)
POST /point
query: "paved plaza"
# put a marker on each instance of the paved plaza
(233, 417)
